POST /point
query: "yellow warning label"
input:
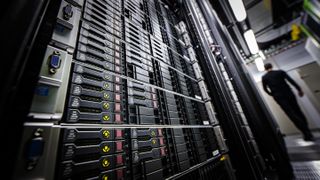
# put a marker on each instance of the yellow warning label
(153, 141)
(106, 105)
(223, 158)
(105, 177)
(153, 133)
(106, 118)
(106, 95)
(105, 163)
(106, 133)
(107, 76)
(106, 148)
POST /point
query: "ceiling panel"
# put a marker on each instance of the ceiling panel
(260, 16)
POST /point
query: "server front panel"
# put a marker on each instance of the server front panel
(119, 97)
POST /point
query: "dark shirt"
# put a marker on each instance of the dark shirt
(275, 85)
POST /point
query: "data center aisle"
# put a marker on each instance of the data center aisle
(305, 156)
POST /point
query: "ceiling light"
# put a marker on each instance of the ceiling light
(238, 9)
(251, 41)
(261, 54)
(259, 63)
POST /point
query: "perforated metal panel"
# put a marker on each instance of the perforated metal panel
(306, 170)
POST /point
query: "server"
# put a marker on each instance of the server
(118, 98)
(127, 89)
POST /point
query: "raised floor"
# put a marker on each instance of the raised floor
(304, 156)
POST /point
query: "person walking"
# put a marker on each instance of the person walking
(274, 83)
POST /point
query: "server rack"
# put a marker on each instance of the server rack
(263, 146)
(114, 89)
(116, 98)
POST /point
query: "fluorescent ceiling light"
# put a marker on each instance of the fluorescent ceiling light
(238, 9)
(259, 63)
(251, 41)
(261, 54)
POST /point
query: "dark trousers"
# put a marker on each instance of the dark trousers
(289, 104)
